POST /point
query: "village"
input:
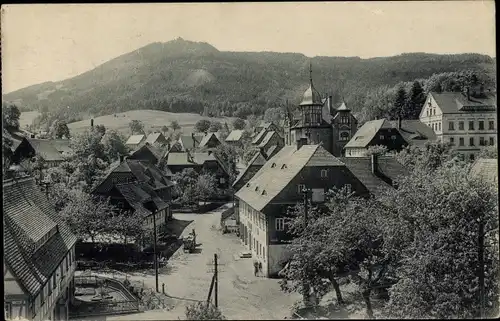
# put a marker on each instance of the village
(317, 208)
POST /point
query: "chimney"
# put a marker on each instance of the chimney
(330, 103)
(374, 163)
(301, 142)
(91, 122)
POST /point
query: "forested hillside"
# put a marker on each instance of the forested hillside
(185, 76)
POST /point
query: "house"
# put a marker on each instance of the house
(46, 149)
(137, 172)
(156, 139)
(235, 137)
(135, 140)
(149, 153)
(62, 146)
(374, 132)
(39, 255)
(267, 126)
(21, 149)
(271, 144)
(465, 119)
(414, 132)
(264, 201)
(210, 140)
(187, 142)
(319, 122)
(255, 164)
(200, 162)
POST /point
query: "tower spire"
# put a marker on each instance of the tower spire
(310, 71)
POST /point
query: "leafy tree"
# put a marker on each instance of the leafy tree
(60, 130)
(185, 188)
(215, 126)
(114, 145)
(205, 186)
(376, 150)
(399, 104)
(440, 213)
(88, 143)
(488, 152)
(136, 127)
(203, 311)
(275, 115)
(101, 129)
(10, 116)
(429, 157)
(127, 225)
(202, 125)
(248, 155)
(174, 124)
(415, 101)
(228, 155)
(164, 130)
(238, 123)
(6, 153)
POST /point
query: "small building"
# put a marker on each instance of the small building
(39, 255)
(20, 149)
(135, 141)
(149, 153)
(156, 139)
(200, 162)
(209, 141)
(271, 144)
(47, 150)
(374, 132)
(187, 142)
(255, 164)
(465, 119)
(235, 138)
(267, 126)
(414, 132)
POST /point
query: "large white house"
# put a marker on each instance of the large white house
(39, 255)
(465, 119)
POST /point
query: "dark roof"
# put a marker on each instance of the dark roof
(415, 132)
(183, 159)
(46, 149)
(258, 160)
(280, 170)
(311, 96)
(188, 142)
(457, 102)
(62, 145)
(267, 138)
(361, 168)
(258, 138)
(207, 138)
(148, 148)
(28, 215)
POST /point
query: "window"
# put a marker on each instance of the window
(461, 125)
(471, 125)
(280, 224)
(7, 311)
(273, 165)
(382, 137)
(452, 140)
(482, 142)
(324, 173)
(471, 141)
(283, 166)
(491, 125)
(393, 137)
(67, 263)
(434, 111)
(222, 180)
(481, 125)
(427, 112)
(264, 252)
(461, 141)
(344, 136)
(318, 195)
(54, 283)
(451, 125)
(439, 126)
(42, 296)
(301, 187)
(492, 141)
(471, 157)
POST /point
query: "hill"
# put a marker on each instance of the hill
(185, 76)
(152, 120)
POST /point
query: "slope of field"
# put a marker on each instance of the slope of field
(26, 118)
(152, 120)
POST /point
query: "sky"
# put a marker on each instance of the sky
(52, 42)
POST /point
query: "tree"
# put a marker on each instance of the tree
(399, 109)
(415, 101)
(228, 155)
(61, 130)
(275, 115)
(174, 124)
(10, 116)
(203, 311)
(441, 212)
(185, 187)
(127, 225)
(136, 126)
(488, 152)
(238, 123)
(114, 145)
(376, 150)
(215, 126)
(248, 155)
(6, 153)
(202, 125)
(206, 186)
(100, 129)
(428, 157)
(164, 130)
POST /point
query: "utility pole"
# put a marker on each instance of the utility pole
(306, 295)
(216, 278)
(154, 251)
(481, 267)
(214, 285)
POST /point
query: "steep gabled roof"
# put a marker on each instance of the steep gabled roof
(28, 216)
(46, 149)
(154, 137)
(457, 102)
(183, 159)
(257, 160)
(267, 138)
(258, 138)
(207, 138)
(235, 135)
(62, 145)
(280, 170)
(367, 132)
(148, 148)
(415, 132)
(135, 139)
(190, 141)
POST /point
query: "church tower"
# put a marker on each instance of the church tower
(344, 126)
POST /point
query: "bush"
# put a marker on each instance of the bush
(202, 311)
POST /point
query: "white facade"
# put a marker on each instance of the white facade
(467, 131)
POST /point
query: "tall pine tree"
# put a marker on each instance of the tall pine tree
(399, 108)
(415, 101)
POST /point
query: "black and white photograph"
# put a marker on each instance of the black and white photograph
(250, 161)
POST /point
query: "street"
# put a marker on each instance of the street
(241, 295)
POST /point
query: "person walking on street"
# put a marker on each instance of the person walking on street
(255, 267)
(260, 268)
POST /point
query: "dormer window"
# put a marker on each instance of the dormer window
(256, 188)
(264, 192)
(283, 166)
(324, 173)
(248, 184)
(273, 165)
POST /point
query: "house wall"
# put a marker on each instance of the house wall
(64, 288)
(355, 152)
(251, 171)
(317, 135)
(160, 217)
(338, 128)
(275, 140)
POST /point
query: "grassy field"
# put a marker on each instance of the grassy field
(152, 120)
(27, 117)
